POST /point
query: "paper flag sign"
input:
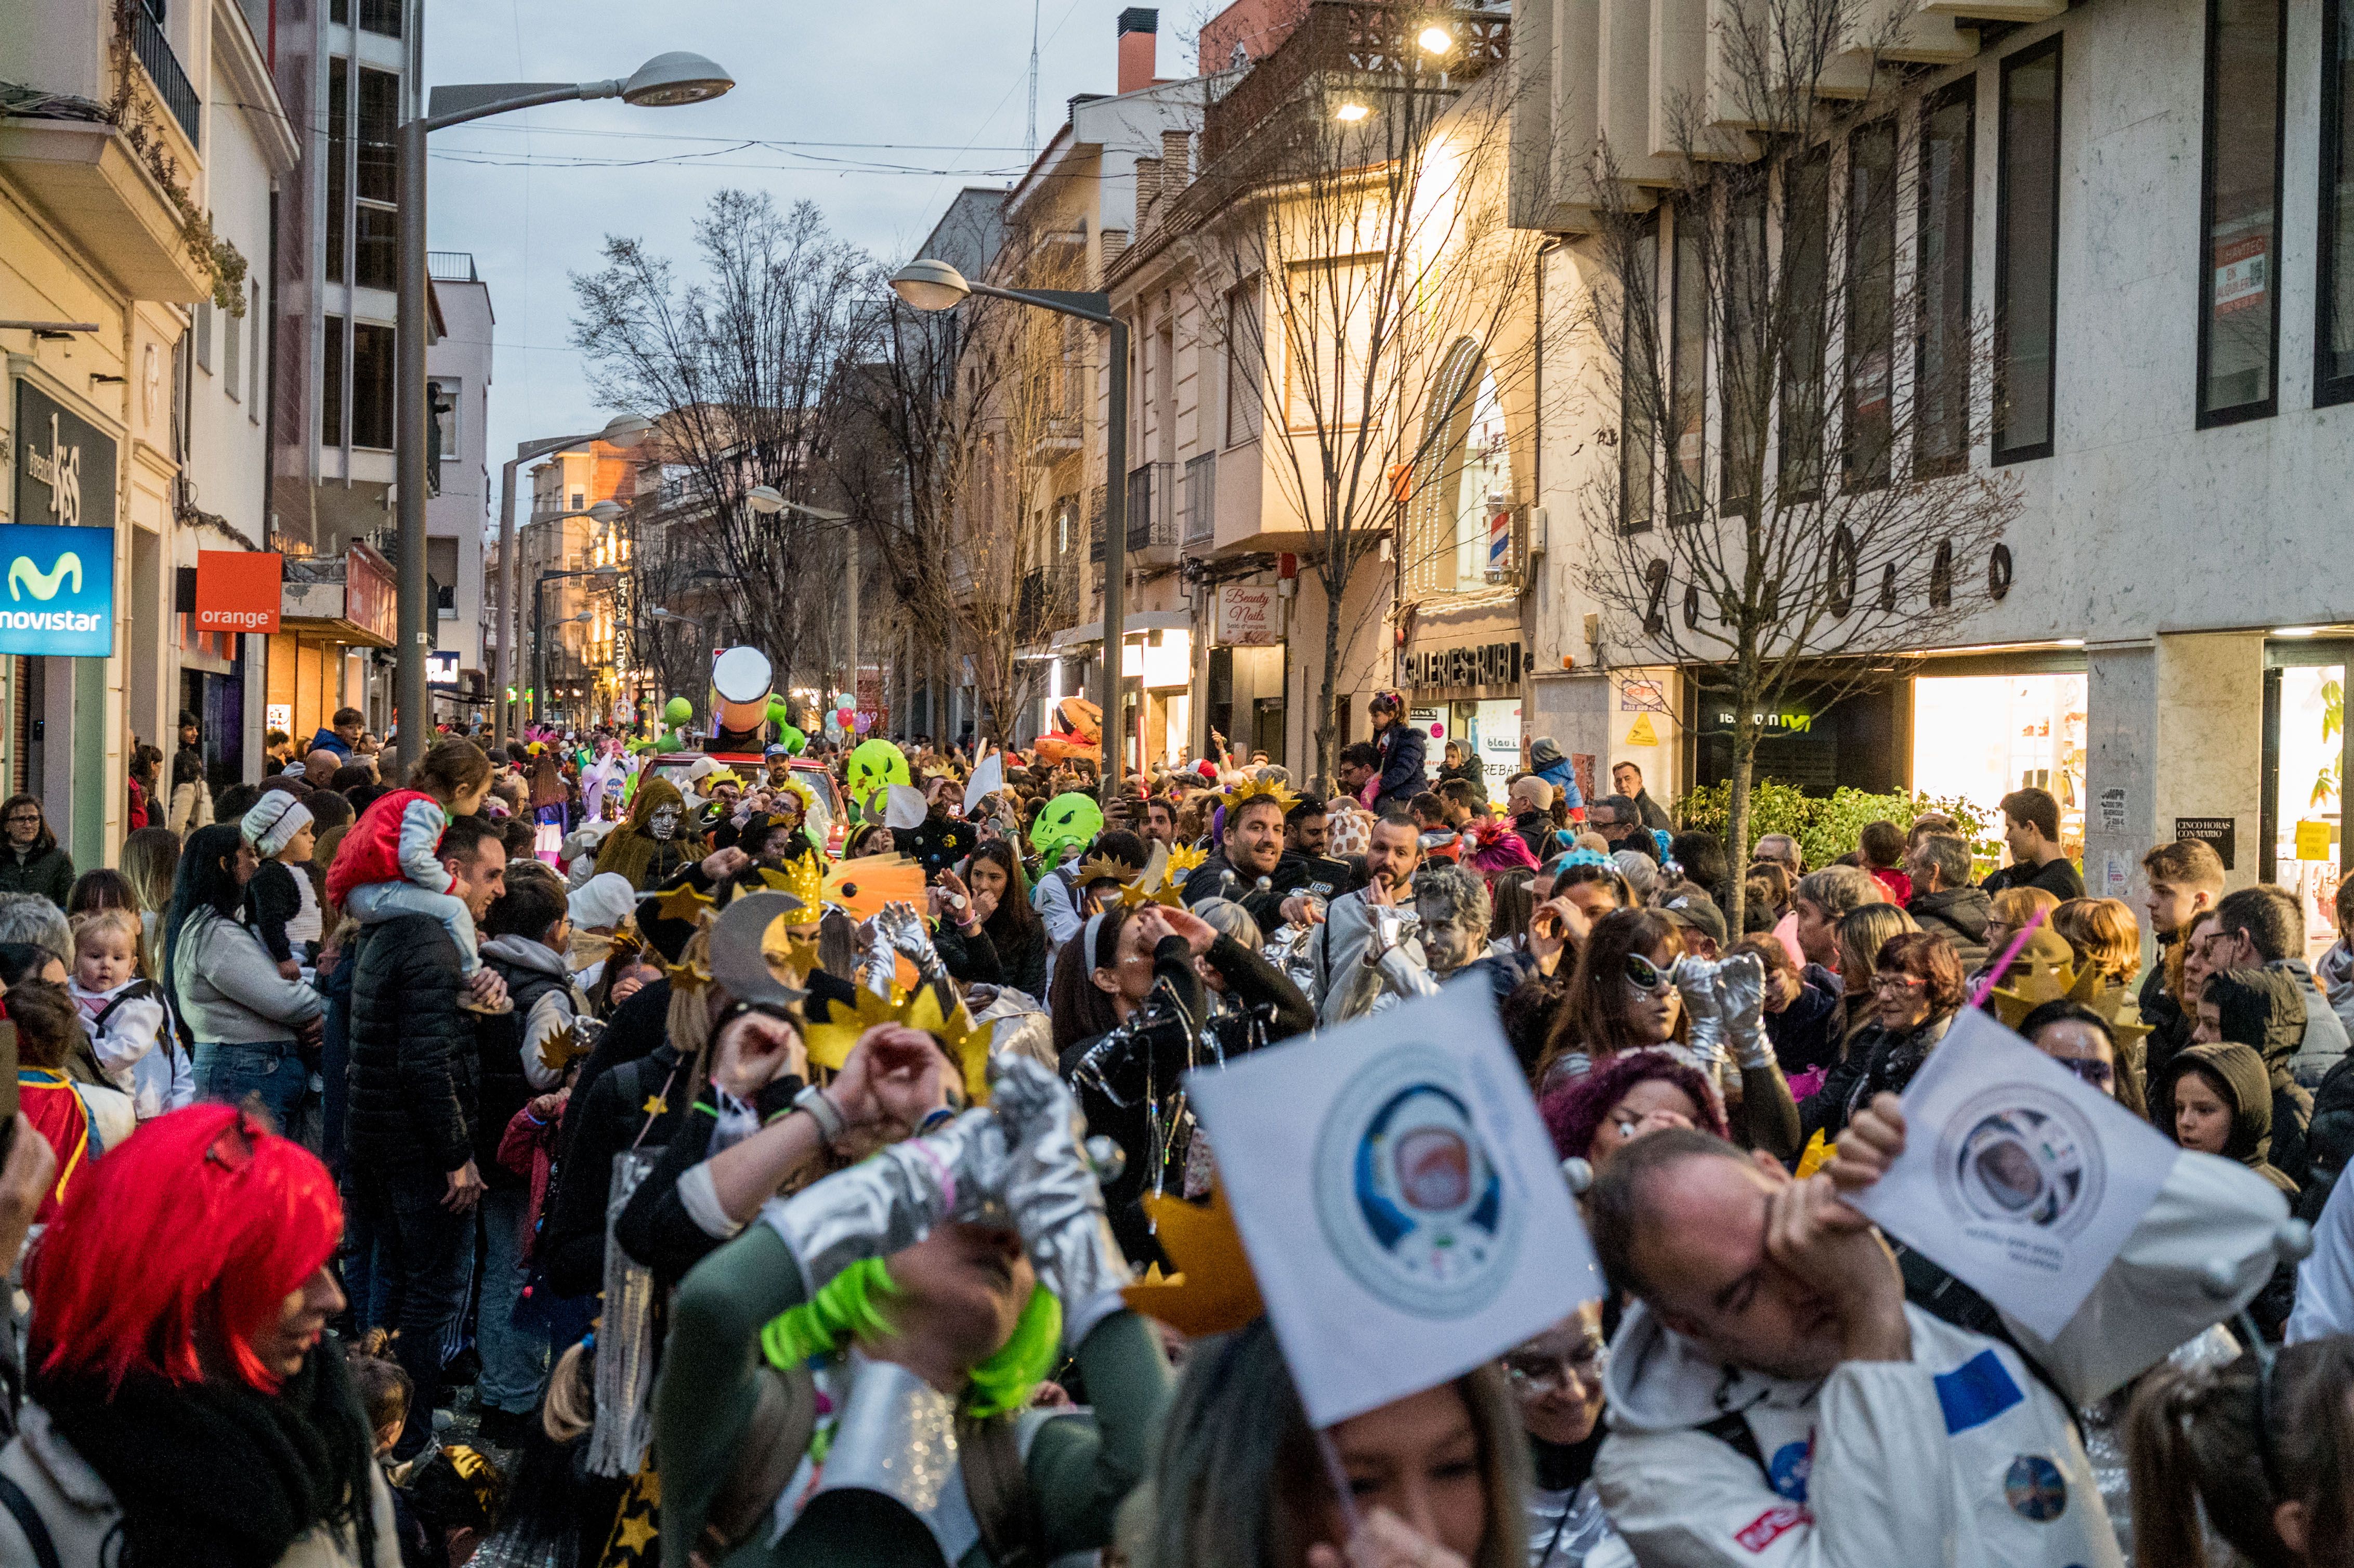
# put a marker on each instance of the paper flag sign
(1398, 1198)
(905, 807)
(988, 778)
(2018, 1177)
(1641, 732)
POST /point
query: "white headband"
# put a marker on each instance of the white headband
(1087, 935)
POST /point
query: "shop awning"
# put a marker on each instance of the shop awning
(349, 598)
(1138, 622)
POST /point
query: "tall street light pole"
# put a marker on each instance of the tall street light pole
(929, 285)
(768, 500)
(623, 431)
(665, 79)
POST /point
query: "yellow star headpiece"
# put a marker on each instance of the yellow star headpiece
(684, 902)
(559, 1050)
(690, 975)
(1185, 861)
(1251, 789)
(2045, 983)
(830, 1043)
(1214, 1290)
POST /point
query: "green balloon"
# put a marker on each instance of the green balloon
(792, 740)
(875, 765)
(1070, 819)
(669, 743)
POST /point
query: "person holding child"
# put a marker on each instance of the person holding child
(388, 864)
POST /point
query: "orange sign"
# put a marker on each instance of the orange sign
(239, 590)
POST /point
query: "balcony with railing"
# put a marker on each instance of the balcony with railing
(451, 267)
(1374, 48)
(162, 67)
(1151, 523)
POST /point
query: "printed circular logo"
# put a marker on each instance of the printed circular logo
(1409, 1197)
(2021, 1154)
(2035, 1489)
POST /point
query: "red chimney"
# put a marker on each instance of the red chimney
(1139, 28)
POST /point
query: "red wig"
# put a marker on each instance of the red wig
(200, 1224)
(1574, 1112)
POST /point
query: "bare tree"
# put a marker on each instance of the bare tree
(1354, 248)
(1799, 394)
(737, 367)
(978, 410)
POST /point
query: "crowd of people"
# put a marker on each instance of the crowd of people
(576, 1153)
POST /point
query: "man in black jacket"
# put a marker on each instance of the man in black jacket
(412, 1178)
(1944, 902)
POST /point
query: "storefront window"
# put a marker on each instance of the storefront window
(2307, 812)
(1485, 487)
(1981, 736)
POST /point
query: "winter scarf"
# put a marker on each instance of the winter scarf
(220, 1473)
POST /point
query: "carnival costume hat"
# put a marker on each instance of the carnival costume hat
(631, 849)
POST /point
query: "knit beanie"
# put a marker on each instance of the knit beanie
(602, 901)
(274, 821)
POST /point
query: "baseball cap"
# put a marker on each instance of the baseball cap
(1694, 913)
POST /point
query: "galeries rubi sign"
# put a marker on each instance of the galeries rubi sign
(1470, 665)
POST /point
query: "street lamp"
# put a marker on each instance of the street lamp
(539, 620)
(767, 500)
(934, 285)
(664, 81)
(623, 431)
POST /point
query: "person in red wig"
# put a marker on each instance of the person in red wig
(180, 1406)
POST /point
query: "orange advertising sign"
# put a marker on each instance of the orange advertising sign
(239, 590)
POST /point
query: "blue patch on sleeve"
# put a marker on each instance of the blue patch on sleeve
(1975, 1393)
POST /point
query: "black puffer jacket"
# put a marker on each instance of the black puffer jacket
(415, 1073)
(2264, 1010)
(1961, 916)
(504, 1089)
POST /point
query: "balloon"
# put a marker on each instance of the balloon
(678, 710)
(1070, 819)
(792, 740)
(669, 743)
(778, 712)
(874, 765)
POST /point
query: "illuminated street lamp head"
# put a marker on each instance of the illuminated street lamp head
(1434, 39)
(626, 431)
(764, 499)
(929, 285)
(1349, 112)
(675, 78)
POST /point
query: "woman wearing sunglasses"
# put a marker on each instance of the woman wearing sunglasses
(2084, 1043)
(1624, 996)
(1916, 989)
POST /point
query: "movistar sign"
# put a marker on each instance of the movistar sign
(59, 597)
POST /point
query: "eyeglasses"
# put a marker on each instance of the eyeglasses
(21, 819)
(1645, 975)
(1896, 981)
(1534, 1373)
(232, 1148)
(2101, 1074)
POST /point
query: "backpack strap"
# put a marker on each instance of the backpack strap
(137, 991)
(1733, 1430)
(29, 1520)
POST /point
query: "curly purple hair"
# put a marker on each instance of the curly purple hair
(1574, 1112)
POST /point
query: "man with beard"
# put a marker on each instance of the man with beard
(1305, 868)
(1338, 948)
(1158, 822)
(1250, 853)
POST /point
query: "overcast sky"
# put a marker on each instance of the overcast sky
(943, 84)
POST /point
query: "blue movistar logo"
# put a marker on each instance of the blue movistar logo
(60, 598)
(22, 576)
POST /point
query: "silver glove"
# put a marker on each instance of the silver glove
(1388, 925)
(1741, 997)
(1695, 980)
(1052, 1190)
(895, 1198)
(900, 929)
(878, 961)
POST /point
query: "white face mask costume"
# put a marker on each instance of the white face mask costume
(663, 823)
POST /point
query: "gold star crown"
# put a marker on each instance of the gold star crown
(1214, 1290)
(1251, 789)
(803, 876)
(830, 1043)
(1103, 868)
(2040, 983)
(1182, 862)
